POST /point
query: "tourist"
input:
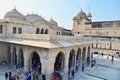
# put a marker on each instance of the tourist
(54, 77)
(73, 74)
(112, 59)
(83, 67)
(76, 68)
(25, 76)
(10, 75)
(28, 74)
(102, 54)
(94, 62)
(43, 77)
(6, 75)
(18, 68)
(88, 60)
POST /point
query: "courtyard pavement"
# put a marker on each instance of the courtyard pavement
(104, 70)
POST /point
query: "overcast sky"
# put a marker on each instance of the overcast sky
(63, 11)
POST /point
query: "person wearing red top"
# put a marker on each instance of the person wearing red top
(54, 77)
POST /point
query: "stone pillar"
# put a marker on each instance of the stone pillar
(47, 66)
(26, 59)
(86, 54)
(17, 53)
(75, 58)
(81, 56)
(82, 61)
(90, 52)
(8, 55)
(11, 51)
(66, 62)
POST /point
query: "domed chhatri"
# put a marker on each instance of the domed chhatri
(89, 14)
(81, 15)
(53, 22)
(14, 14)
(34, 18)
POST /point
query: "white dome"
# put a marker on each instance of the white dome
(53, 22)
(81, 15)
(14, 14)
(34, 18)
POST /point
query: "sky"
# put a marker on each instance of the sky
(63, 11)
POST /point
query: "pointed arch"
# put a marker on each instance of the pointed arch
(21, 57)
(88, 55)
(78, 56)
(59, 62)
(9, 55)
(34, 62)
(14, 56)
(71, 62)
(83, 55)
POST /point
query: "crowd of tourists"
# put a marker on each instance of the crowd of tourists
(27, 75)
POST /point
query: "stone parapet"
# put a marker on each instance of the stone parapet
(40, 37)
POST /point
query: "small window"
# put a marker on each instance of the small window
(42, 31)
(57, 33)
(14, 30)
(19, 30)
(37, 31)
(46, 31)
(1, 27)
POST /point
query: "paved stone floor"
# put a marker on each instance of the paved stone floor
(6, 68)
(107, 73)
(103, 66)
(104, 70)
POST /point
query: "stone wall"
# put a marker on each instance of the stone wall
(3, 51)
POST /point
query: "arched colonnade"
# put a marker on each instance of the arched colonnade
(80, 55)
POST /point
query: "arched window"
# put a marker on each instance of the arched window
(37, 31)
(42, 31)
(46, 31)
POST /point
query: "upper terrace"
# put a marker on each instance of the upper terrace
(44, 41)
(42, 37)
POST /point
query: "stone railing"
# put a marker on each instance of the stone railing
(43, 37)
(103, 32)
(26, 36)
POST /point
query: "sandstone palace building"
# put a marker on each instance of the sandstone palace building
(30, 40)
